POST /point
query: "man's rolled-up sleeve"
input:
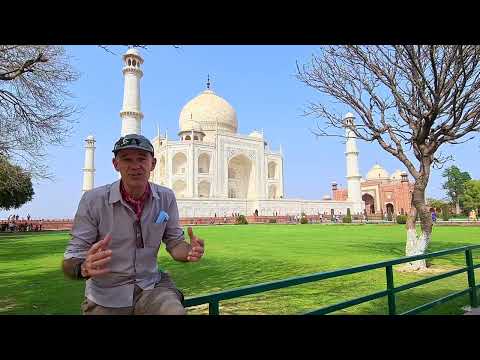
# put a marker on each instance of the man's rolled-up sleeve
(84, 231)
(173, 234)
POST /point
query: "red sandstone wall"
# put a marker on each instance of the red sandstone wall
(400, 195)
(55, 224)
(66, 224)
(340, 195)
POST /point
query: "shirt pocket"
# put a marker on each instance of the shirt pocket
(154, 235)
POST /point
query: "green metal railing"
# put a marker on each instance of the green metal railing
(214, 299)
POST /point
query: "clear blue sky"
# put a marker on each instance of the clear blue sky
(258, 81)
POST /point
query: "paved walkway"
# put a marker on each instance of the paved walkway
(475, 311)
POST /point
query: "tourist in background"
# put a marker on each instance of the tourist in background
(472, 215)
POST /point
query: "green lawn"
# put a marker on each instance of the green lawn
(31, 281)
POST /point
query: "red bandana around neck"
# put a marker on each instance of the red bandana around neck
(136, 204)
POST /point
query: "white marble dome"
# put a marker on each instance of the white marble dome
(397, 175)
(377, 173)
(209, 109)
(90, 137)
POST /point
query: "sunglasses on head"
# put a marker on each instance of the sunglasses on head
(123, 141)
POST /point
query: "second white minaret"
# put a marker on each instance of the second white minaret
(89, 168)
(353, 173)
(131, 114)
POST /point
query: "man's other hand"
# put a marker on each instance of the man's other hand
(197, 246)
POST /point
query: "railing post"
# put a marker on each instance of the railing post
(213, 308)
(471, 278)
(391, 295)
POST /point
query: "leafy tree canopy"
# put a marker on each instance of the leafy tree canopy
(455, 184)
(471, 196)
(15, 185)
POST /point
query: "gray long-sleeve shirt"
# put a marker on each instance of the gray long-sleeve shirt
(102, 211)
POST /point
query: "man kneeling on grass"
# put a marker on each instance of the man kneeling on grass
(116, 235)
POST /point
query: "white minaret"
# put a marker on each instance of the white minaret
(89, 168)
(353, 173)
(131, 114)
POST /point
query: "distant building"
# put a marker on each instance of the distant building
(382, 192)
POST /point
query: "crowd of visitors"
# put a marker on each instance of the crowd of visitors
(16, 224)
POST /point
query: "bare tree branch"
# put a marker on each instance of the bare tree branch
(414, 97)
(420, 96)
(108, 48)
(34, 112)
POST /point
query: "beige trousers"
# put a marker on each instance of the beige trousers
(163, 299)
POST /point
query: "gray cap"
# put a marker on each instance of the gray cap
(133, 141)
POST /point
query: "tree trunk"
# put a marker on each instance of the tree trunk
(457, 207)
(417, 244)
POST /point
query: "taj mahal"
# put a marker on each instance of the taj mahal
(215, 171)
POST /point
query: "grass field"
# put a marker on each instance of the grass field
(31, 281)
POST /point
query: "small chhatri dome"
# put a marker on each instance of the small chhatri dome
(377, 173)
(132, 51)
(397, 175)
(256, 134)
(348, 119)
(210, 111)
(90, 137)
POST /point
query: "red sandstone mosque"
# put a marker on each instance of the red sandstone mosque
(382, 193)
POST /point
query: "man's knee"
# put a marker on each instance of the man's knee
(161, 301)
(90, 308)
(172, 307)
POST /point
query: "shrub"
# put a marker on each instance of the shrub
(272, 221)
(348, 218)
(445, 213)
(304, 220)
(401, 219)
(241, 220)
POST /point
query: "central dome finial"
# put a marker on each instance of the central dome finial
(208, 81)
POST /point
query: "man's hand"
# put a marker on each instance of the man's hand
(97, 258)
(197, 247)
